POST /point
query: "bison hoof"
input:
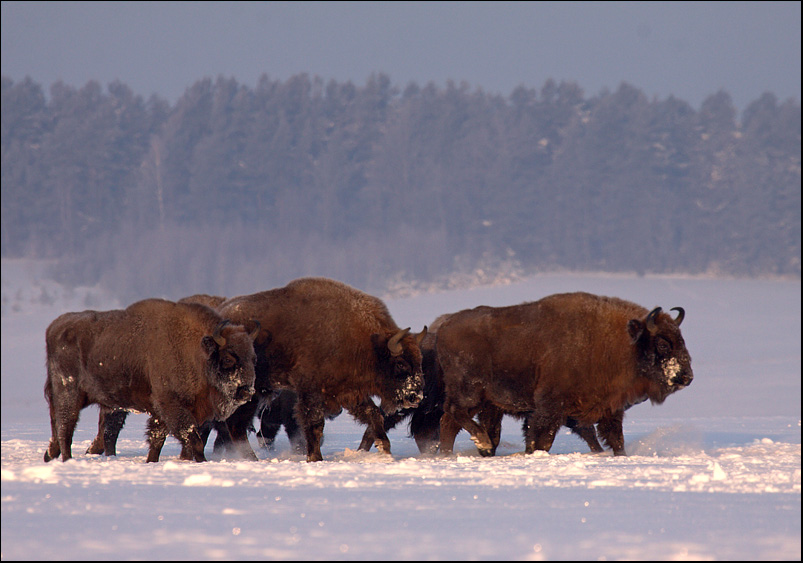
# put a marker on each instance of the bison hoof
(482, 445)
(486, 452)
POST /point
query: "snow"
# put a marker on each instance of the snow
(713, 473)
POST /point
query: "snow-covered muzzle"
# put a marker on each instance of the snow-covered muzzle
(412, 392)
(234, 390)
(674, 373)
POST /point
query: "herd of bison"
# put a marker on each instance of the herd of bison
(298, 355)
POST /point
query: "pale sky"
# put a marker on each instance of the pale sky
(689, 50)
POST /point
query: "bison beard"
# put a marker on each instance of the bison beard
(571, 359)
(180, 362)
(335, 347)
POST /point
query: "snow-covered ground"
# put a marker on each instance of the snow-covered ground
(714, 473)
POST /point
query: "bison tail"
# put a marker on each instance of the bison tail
(48, 388)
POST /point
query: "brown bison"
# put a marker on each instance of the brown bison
(335, 347)
(180, 362)
(273, 409)
(111, 421)
(573, 358)
(425, 419)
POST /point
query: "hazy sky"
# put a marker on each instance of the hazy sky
(690, 50)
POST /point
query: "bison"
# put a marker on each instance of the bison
(181, 362)
(574, 358)
(111, 421)
(335, 347)
(272, 409)
(425, 419)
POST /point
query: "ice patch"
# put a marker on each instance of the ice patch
(232, 511)
(206, 480)
(198, 480)
(44, 474)
(364, 457)
(717, 472)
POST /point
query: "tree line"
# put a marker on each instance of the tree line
(236, 189)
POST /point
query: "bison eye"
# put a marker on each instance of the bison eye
(663, 347)
(227, 362)
(400, 370)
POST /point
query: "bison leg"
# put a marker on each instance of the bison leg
(53, 450)
(277, 412)
(238, 425)
(490, 417)
(110, 423)
(368, 413)
(390, 422)
(478, 434)
(192, 447)
(587, 433)
(449, 428)
(310, 415)
(610, 430)
(367, 441)
(205, 430)
(287, 403)
(293, 431)
(157, 434)
(66, 421)
(270, 421)
(98, 445)
(271, 414)
(115, 420)
(266, 437)
(223, 440)
(425, 429)
(541, 428)
(65, 401)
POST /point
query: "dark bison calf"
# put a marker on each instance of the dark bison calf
(180, 362)
(573, 358)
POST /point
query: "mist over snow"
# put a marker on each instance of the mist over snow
(714, 473)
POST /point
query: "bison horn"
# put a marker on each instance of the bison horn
(651, 320)
(255, 333)
(217, 336)
(681, 314)
(394, 344)
(419, 338)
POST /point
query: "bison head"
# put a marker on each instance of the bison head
(230, 366)
(661, 353)
(399, 364)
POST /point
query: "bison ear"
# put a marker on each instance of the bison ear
(209, 345)
(264, 338)
(380, 344)
(636, 328)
